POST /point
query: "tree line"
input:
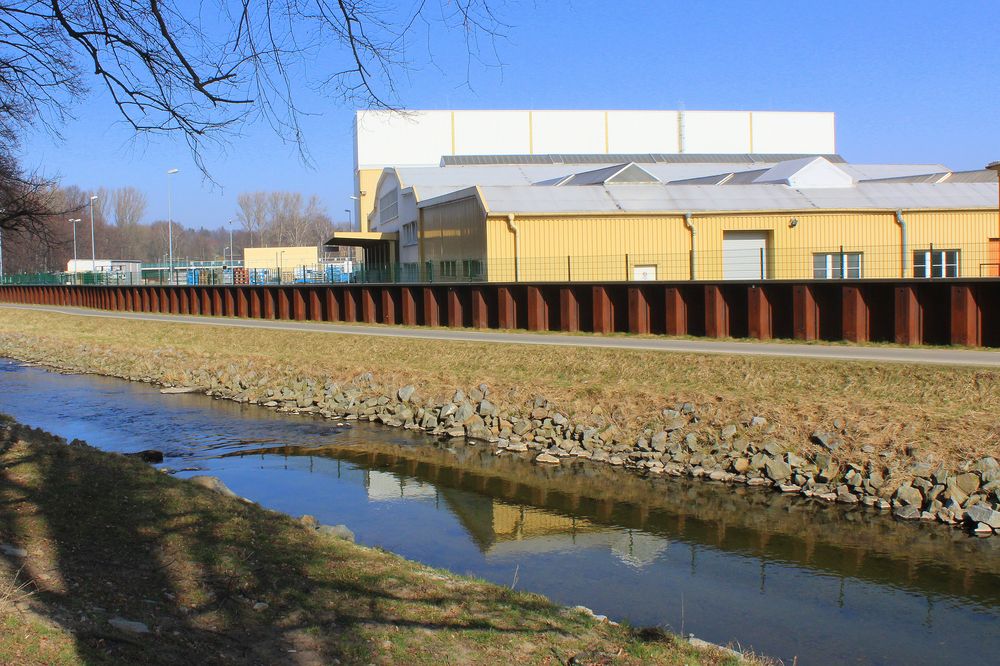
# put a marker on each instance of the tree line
(261, 219)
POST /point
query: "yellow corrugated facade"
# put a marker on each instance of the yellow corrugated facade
(585, 247)
(367, 192)
(285, 257)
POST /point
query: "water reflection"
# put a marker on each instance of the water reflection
(500, 499)
(786, 575)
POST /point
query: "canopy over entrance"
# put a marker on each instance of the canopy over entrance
(379, 247)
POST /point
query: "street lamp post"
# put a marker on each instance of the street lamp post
(170, 228)
(350, 217)
(357, 205)
(232, 259)
(93, 245)
(76, 262)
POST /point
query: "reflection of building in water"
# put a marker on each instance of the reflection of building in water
(502, 530)
(383, 486)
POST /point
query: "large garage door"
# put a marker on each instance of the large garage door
(744, 255)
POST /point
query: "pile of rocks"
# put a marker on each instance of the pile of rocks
(681, 445)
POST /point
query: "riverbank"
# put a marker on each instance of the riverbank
(919, 442)
(105, 559)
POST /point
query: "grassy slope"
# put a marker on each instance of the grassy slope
(109, 536)
(948, 411)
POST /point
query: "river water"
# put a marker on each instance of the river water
(788, 577)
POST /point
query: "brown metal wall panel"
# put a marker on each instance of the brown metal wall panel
(315, 305)
(408, 306)
(299, 305)
(759, 324)
(603, 311)
(333, 309)
(569, 310)
(805, 313)
(854, 321)
(638, 311)
(538, 311)
(350, 309)
(716, 312)
(479, 308)
(242, 302)
(284, 304)
(456, 315)
(432, 310)
(506, 308)
(267, 297)
(369, 313)
(966, 317)
(908, 316)
(389, 299)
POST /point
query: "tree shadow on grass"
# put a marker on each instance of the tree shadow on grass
(215, 580)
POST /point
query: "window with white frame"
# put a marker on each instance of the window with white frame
(448, 268)
(837, 265)
(388, 206)
(410, 233)
(935, 263)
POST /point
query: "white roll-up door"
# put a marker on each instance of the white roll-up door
(744, 255)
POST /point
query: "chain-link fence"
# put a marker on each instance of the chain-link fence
(918, 261)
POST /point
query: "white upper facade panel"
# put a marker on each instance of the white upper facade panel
(422, 138)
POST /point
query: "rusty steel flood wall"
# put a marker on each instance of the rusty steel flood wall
(940, 312)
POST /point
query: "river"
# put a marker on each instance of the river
(787, 577)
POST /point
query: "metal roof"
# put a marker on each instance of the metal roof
(977, 176)
(758, 197)
(625, 158)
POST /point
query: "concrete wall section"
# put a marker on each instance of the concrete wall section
(568, 132)
(413, 138)
(643, 132)
(715, 132)
(492, 132)
(777, 132)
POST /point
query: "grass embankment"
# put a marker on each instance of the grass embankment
(217, 580)
(948, 414)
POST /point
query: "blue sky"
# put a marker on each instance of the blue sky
(911, 81)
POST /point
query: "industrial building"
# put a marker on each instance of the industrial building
(798, 211)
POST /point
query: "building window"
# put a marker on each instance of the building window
(388, 206)
(472, 268)
(448, 268)
(837, 265)
(935, 263)
(410, 233)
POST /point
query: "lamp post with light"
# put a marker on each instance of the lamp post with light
(232, 259)
(93, 245)
(76, 263)
(170, 229)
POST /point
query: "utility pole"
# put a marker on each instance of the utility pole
(170, 227)
(93, 245)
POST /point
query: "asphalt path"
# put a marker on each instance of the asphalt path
(873, 353)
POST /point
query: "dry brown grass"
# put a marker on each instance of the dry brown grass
(950, 412)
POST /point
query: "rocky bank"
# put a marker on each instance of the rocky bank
(678, 442)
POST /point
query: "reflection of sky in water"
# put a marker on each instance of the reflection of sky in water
(781, 608)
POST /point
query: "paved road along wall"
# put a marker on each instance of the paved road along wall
(956, 312)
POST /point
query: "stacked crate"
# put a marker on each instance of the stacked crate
(240, 276)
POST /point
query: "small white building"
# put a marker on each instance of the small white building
(115, 266)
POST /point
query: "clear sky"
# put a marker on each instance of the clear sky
(909, 81)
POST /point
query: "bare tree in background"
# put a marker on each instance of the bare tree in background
(129, 205)
(252, 213)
